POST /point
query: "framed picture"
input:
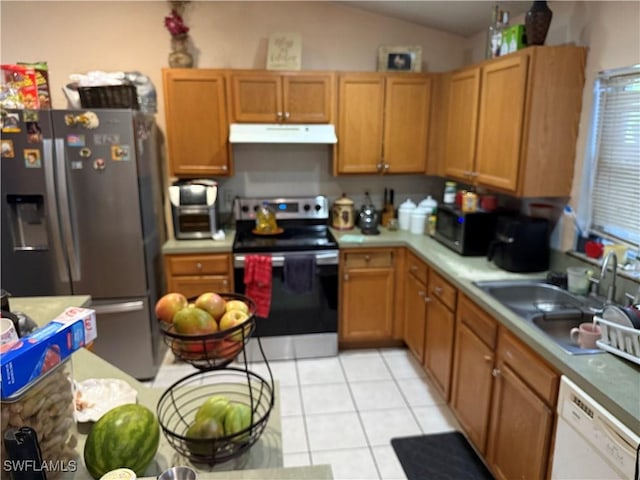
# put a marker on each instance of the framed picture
(400, 59)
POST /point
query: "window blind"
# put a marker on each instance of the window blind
(615, 185)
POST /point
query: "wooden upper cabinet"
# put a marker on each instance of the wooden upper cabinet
(462, 120)
(196, 122)
(500, 122)
(523, 142)
(383, 123)
(360, 122)
(406, 124)
(272, 97)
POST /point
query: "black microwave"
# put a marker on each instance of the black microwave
(467, 233)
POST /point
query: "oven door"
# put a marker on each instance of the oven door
(299, 325)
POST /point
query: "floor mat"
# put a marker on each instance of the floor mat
(440, 456)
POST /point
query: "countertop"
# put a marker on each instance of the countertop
(263, 460)
(610, 380)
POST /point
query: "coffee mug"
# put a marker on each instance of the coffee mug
(8, 334)
(586, 335)
(578, 280)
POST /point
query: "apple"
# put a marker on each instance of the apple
(212, 303)
(200, 435)
(237, 305)
(237, 419)
(228, 348)
(231, 319)
(213, 407)
(170, 304)
(194, 321)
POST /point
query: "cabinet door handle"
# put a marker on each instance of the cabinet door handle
(414, 268)
(488, 358)
(279, 115)
(225, 282)
(346, 276)
(421, 293)
(379, 166)
(367, 258)
(224, 168)
(496, 372)
(437, 291)
(427, 299)
(474, 174)
(198, 266)
(287, 115)
(386, 167)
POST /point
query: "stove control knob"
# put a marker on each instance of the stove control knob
(318, 207)
(245, 208)
(306, 207)
(255, 208)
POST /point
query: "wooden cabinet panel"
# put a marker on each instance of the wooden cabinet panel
(462, 120)
(360, 123)
(367, 295)
(406, 124)
(438, 357)
(471, 384)
(417, 268)
(193, 274)
(537, 375)
(520, 429)
(478, 321)
(280, 97)
(415, 315)
(442, 290)
(502, 109)
(196, 122)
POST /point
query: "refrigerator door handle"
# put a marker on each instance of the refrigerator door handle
(61, 263)
(65, 212)
(119, 307)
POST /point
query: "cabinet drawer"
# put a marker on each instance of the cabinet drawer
(197, 264)
(531, 368)
(417, 267)
(369, 259)
(478, 321)
(443, 290)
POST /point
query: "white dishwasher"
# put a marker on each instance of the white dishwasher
(590, 442)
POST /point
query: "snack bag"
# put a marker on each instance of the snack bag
(42, 82)
(19, 87)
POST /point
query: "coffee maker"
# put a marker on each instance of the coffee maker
(521, 244)
(194, 208)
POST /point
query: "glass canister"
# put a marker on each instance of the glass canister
(46, 406)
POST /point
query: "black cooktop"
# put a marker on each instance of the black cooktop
(295, 236)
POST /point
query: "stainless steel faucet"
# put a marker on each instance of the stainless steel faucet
(611, 291)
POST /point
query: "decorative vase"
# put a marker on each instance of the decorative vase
(537, 21)
(180, 56)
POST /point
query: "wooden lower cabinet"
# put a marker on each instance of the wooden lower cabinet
(438, 356)
(193, 274)
(367, 281)
(503, 395)
(415, 306)
(524, 397)
(476, 339)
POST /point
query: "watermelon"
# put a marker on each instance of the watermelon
(127, 436)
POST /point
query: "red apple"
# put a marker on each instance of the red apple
(169, 305)
(231, 319)
(228, 348)
(212, 303)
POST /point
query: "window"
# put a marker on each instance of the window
(611, 187)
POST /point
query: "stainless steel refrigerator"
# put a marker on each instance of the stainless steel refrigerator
(82, 214)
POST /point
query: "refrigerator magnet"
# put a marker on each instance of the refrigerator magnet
(75, 140)
(7, 149)
(85, 152)
(34, 133)
(10, 123)
(120, 153)
(106, 138)
(76, 165)
(30, 115)
(99, 164)
(32, 158)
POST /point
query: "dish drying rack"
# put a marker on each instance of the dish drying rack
(619, 339)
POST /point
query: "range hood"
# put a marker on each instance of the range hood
(281, 133)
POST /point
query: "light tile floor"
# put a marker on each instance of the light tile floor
(345, 410)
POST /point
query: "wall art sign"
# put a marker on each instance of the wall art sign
(285, 51)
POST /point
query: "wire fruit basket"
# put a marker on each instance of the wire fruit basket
(179, 404)
(212, 350)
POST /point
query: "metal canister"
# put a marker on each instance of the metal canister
(343, 214)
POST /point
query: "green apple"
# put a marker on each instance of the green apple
(194, 321)
(201, 432)
(232, 319)
(213, 407)
(237, 305)
(238, 418)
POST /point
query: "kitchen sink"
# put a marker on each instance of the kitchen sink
(549, 308)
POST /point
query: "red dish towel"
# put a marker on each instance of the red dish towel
(257, 280)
